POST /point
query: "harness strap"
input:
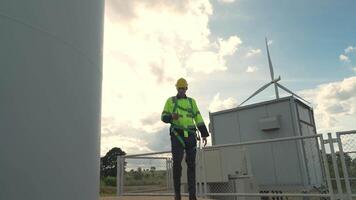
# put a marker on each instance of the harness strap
(186, 130)
(174, 99)
(179, 138)
(175, 102)
(190, 113)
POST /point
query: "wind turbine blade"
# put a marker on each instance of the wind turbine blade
(294, 94)
(258, 91)
(269, 61)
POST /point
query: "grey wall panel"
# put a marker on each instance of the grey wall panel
(249, 124)
(50, 88)
(313, 162)
(285, 155)
(227, 126)
(304, 113)
(261, 154)
(236, 157)
(311, 149)
(283, 110)
(262, 163)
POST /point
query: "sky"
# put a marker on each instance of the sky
(219, 47)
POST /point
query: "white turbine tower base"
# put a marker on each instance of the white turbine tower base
(50, 83)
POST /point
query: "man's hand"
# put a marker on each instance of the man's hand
(175, 116)
(204, 141)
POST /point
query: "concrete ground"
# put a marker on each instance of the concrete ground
(142, 198)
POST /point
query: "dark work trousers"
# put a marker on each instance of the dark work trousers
(177, 154)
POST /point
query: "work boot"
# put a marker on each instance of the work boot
(192, 198)
(177, 197)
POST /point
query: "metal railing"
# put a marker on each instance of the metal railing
(279, 141)
(145, 173)
(346, 143)
(150, 174)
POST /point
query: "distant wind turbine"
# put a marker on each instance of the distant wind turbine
(273, 81)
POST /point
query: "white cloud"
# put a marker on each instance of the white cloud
(206, 62)
(219, 104)
(211, 61)
(251, 69)
(269, 42)
(332, 103)
(114, 133)
(230, 46)
(253, 52)
(344, 58)
(226, 1)
(147, 46)
(350, 49)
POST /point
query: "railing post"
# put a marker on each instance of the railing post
(119, 176)
(344, 168)
(334, 162)
(197, 173)
(204, 174)
(326, 168)
(167, 177)
(171, 174)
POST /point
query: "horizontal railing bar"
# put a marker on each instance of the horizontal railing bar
(235, 194)
(146, 154)
(149, 157)
(152, 194)
(235, 144)
(268, 194)
(351, 179)
(263, 141)
(349, 152)
(345, 132)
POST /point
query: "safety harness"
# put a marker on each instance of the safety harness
(174, 126)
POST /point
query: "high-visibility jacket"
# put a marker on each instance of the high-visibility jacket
(189, 115)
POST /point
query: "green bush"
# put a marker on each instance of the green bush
(109, 181)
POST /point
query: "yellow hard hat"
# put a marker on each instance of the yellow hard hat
(181, 83)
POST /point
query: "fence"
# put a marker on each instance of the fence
(273, 168)
(233, 171)
(145, 174)
(346, 155)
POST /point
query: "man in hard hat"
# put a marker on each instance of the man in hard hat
(183, 114)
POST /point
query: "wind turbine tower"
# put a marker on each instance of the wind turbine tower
(50, 88)
(273, 81)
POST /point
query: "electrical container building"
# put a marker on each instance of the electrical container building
(246, 154)
(283, 165)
